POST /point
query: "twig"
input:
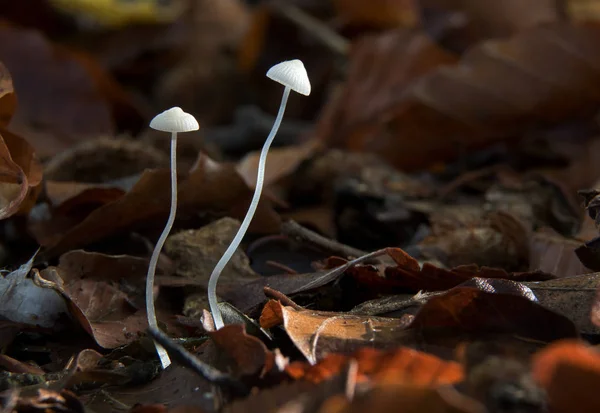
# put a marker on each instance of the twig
(281, 297)
(312, 26)
(187, 359)
(305, 235)
(281, 266)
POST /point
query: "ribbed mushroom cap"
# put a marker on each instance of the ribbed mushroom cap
(174, 120)
(293, 74)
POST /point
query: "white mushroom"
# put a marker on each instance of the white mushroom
(173, 120)
(293, 76)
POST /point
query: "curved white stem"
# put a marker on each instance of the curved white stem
(165, 361)
(214, 277)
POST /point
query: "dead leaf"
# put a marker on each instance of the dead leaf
(413, 399)
(196, 252)
(397, 366)
(573, 297)
(499, 89)
(496, 240)
(148, 202)
(25, 300)
(104, 160)
(50, 401)
(473, 312)
(282, 162)
(8, 99)
(409, 274)
(318, 333)
(379, 14)
(250, 356)
(462, 23)
(12, 365)
(85, 111)
(175, 386)
(105, 295)
(569, 371)
(556, 255)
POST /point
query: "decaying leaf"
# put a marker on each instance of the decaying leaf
(569, 371)
(379, 14)
(27, 300)
(413, 399)
(461, 314)
(20, 172)
(395, 366)
(148, 202)
(85, 111)
(573, 297)
(409, 274)
(541, 76)
(105, 295)
(317, 333)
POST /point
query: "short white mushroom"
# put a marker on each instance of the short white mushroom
(293, 76)
(173, 120)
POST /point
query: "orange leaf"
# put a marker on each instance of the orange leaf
(570, 372)
(402, 365)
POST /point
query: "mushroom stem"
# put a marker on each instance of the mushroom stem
(165, 361)
(235, 243)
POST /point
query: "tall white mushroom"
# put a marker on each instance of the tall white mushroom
(173, 120)
(293, 76)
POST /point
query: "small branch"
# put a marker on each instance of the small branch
(329, 246)
(206, 371)
(312, 26)
(281, 297)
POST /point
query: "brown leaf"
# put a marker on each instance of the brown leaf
(12, 365)
(318, 333)
(474, 312)
(556, 255)
(398, 366)
(461, 23)
(381, 67)
(8, 98)
(20, 172)
(377, 14)
(569, 371)
(413, 399)
(94, 284)
(499, 89)
(176, 386)
(50, 401)
(250, 355)
(409, 274)
(87, 95)
(104, 160)
(495, 240)
(209, 186)
(282, 163)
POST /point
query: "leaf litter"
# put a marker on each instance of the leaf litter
(427, 237)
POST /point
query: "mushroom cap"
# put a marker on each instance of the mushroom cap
(174, 120)
(293, 74)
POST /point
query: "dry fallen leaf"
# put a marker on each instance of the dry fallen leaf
(413, 399)
(377, 14)
(318, 333)
(20, 172)
(500, 88)
(569, 371)
(84, 111)
(396, 366)
(148, 202)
